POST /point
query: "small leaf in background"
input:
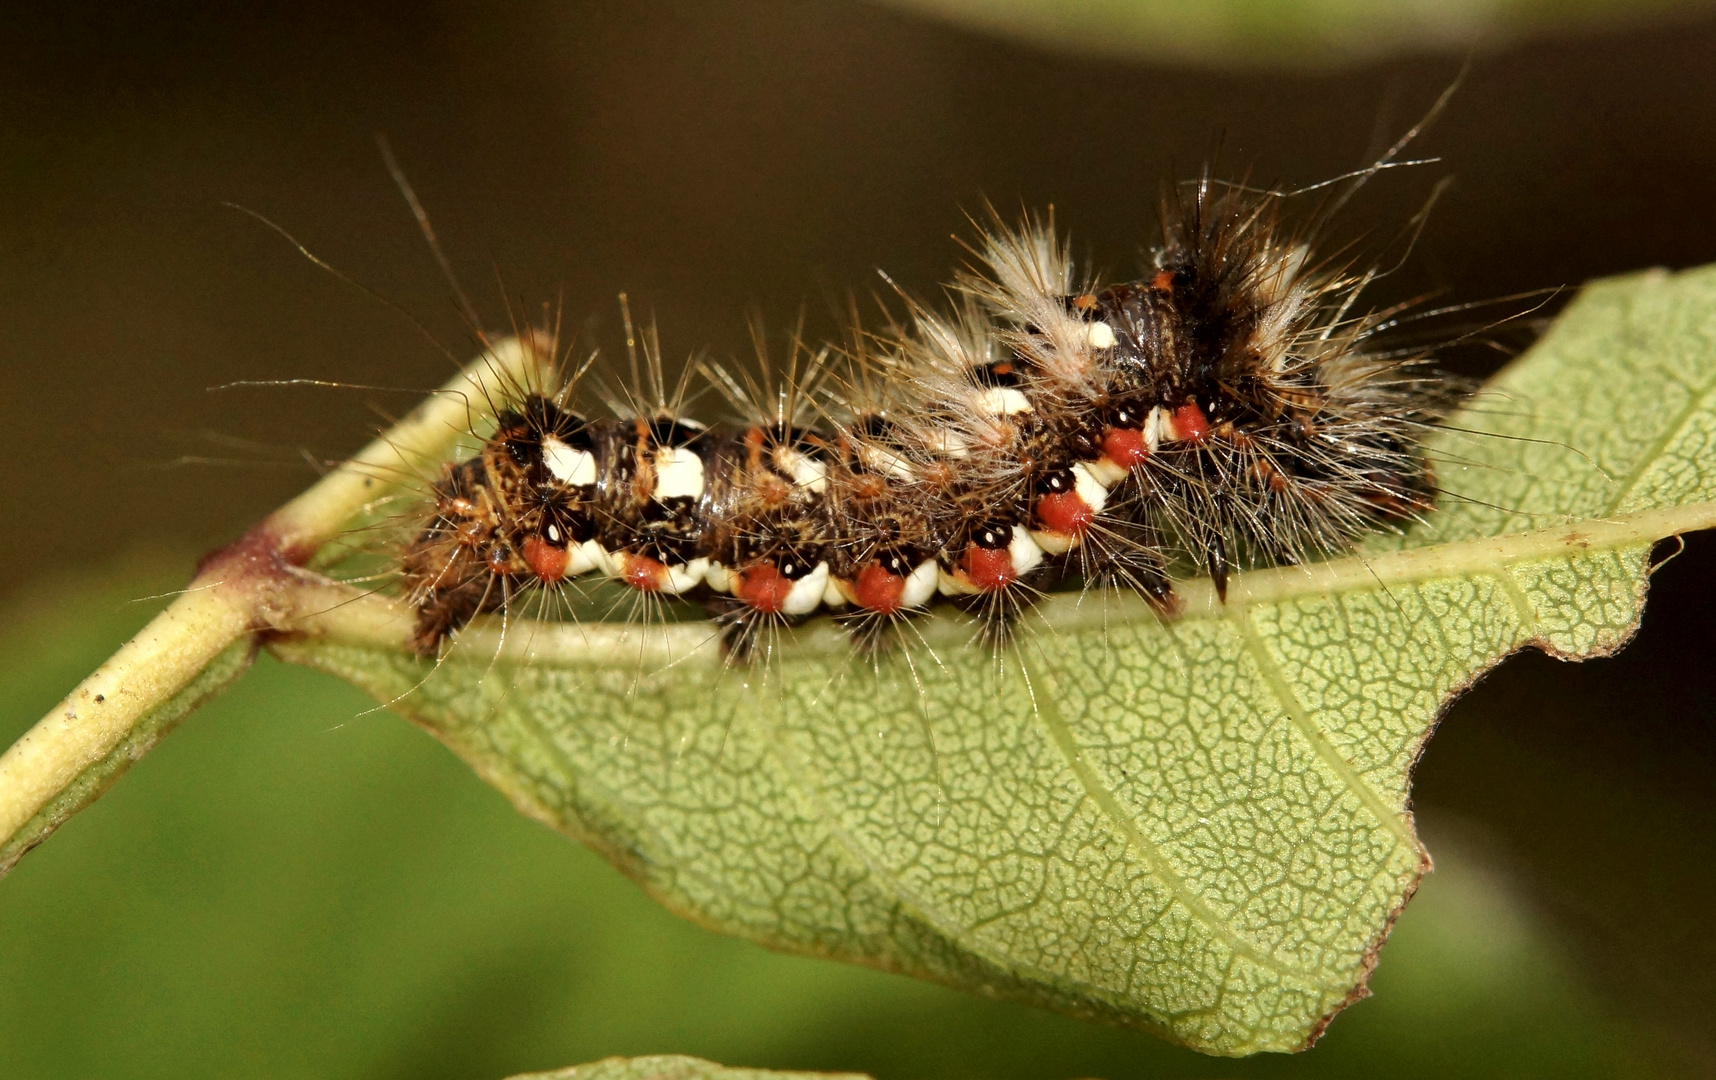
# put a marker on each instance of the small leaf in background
(1284, 33)
(1201, 826)
(672, 1067)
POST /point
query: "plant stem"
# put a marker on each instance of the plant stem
(253, 587)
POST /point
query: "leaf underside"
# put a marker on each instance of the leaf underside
(1200, 826)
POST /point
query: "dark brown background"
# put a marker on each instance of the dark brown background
(711, 158)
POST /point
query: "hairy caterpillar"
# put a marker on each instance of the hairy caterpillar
(1235, 405)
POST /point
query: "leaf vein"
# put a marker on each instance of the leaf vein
(1276, 680)
(1048, 714)
(1529, 623)
(1697, 403)
(797, 775)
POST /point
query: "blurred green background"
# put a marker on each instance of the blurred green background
(294, 886)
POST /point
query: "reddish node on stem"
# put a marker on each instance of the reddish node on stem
(258, 553)
(1066, 513)
(878, 590)
(1190, 423)
(545, 560)
(988, 570)
(764, 588)
(1125, 447)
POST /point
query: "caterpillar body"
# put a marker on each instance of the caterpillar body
(1235, 405)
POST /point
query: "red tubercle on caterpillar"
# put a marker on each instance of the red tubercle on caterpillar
(764, 588)
(1190, 423)
(876, 589)
(1125, 447)
(644, 573)
(1065, 513)
(547, 562)
(988, 569)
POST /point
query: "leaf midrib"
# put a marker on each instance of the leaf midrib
(692, 646)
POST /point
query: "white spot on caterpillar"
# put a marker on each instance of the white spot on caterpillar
(720, 578)
(1105, 472)
(888, 462)
(806, 472)
(949, 584)
(1000, 401)
(678, 474)
(1055, 543)
(584, 558)
(568, 464)
(807, 592)
(834, 593)
(1159, 428)
(1100, 335)
(920, 585)
(613, 562)
(684, 578)
(1024, 552)
(847, 588)
(1089, 487)
(948, 444)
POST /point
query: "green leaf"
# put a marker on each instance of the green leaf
(671, 1067)
(297, 888)
(1199, 826)
(1283, 33)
